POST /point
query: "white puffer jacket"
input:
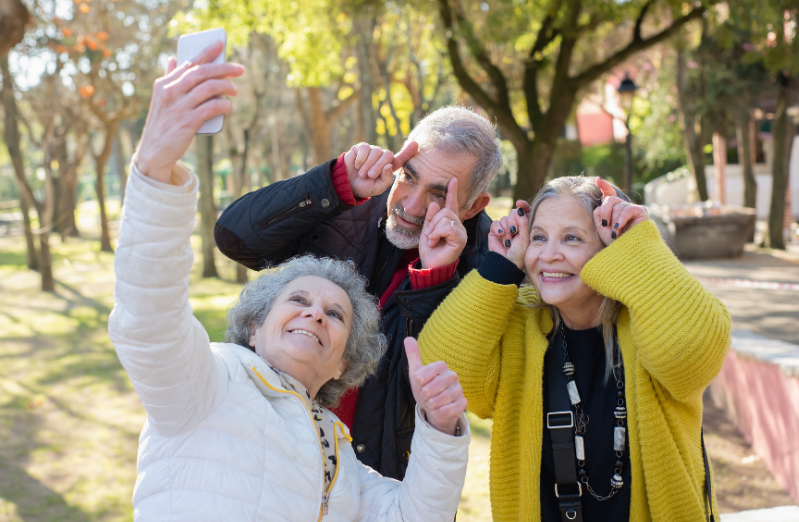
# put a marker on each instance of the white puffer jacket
(224, 441)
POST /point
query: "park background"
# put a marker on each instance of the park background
(634, 91)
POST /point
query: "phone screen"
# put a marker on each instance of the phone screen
(189, 46)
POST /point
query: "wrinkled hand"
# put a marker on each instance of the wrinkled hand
(370, 169)
(443, 234)
(510, 236)
(182, 100)
(615, 216)
(436, 389)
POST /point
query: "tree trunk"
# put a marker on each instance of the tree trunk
(691, 141)
(364, 26)
(204, 148)
(743, 130)
(30, 241)
(320, 126)
(100, 162)
(533, 166)
(67, 199)
(14, 16)
(779, 171)
(11, 137)
(121, 166)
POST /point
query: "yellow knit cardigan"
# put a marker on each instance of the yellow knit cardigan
(673, 336)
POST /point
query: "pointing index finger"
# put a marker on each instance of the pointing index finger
(606, 188)
(452, 195)
(405, 154)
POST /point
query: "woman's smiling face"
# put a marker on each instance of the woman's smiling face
(563, 239)
(306, 331)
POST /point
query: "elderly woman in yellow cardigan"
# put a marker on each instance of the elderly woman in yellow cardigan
(593, 374)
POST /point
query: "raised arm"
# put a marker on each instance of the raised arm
(436, 472)
(466, 330)
(274, 223)
(681, 331)
(164, 349)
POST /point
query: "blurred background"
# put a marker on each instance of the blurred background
(690, 107)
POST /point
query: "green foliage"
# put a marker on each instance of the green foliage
(657, 138)
(311, 34)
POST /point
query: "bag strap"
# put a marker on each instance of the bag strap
(707, 478)
(560, 422)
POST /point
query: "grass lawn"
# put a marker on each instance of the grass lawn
(69, 418)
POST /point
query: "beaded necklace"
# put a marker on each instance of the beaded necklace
(581, 420)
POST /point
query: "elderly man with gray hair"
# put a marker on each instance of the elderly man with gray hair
(413, 224)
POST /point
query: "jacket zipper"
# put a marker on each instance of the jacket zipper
(305, 203)
(323, 509)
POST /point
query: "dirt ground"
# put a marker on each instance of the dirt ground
(742, 481)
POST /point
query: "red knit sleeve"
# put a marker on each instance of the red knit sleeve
(426, 277)
(341, 183)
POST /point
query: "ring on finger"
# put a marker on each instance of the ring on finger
(453, 222)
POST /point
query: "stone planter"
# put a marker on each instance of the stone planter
(699, 237)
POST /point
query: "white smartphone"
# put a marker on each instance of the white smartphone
(192, 44)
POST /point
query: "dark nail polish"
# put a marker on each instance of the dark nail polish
(604, 222)
(507, 243)
(613, 234)
(512, 229)
(520, 211)
(616, 225)
(500, 231)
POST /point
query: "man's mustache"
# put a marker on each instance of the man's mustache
(398, 210)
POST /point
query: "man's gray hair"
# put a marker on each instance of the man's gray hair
(457, 130)
(365, 345)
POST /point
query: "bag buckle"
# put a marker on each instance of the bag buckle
(557, 420)
(579, 489)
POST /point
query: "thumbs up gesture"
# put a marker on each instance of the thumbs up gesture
(436, 389)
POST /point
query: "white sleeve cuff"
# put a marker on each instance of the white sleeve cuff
(181, 179)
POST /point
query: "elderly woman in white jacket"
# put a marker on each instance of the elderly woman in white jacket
(239, 431)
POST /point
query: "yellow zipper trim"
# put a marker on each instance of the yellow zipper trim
(337, 424)
(313, 425)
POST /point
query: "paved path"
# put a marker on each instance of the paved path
(772, 312)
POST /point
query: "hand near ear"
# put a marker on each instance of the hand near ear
(436, 389)
(615, 216)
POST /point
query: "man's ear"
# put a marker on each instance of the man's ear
(479, 204)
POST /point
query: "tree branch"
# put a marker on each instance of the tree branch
(636, 45)
(545, 36)
(640, 20)
(502, 112)
(334, 113)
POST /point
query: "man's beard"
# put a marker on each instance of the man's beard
(400, 236)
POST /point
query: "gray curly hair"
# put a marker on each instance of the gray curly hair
(365, 345)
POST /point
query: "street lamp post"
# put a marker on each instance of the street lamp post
(626, 92)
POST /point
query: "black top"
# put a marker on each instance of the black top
(587, 352)
(598, 400)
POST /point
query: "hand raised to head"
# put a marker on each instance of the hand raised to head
(182, 100)
(615, 216)
(443, 236)
(370, 169)
(436, 389)
(510, 236)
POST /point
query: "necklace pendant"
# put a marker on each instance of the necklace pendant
(620, 412)
(568, 368)
(616, 481)
(574, 396)
(619, 435)
(579, 447)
